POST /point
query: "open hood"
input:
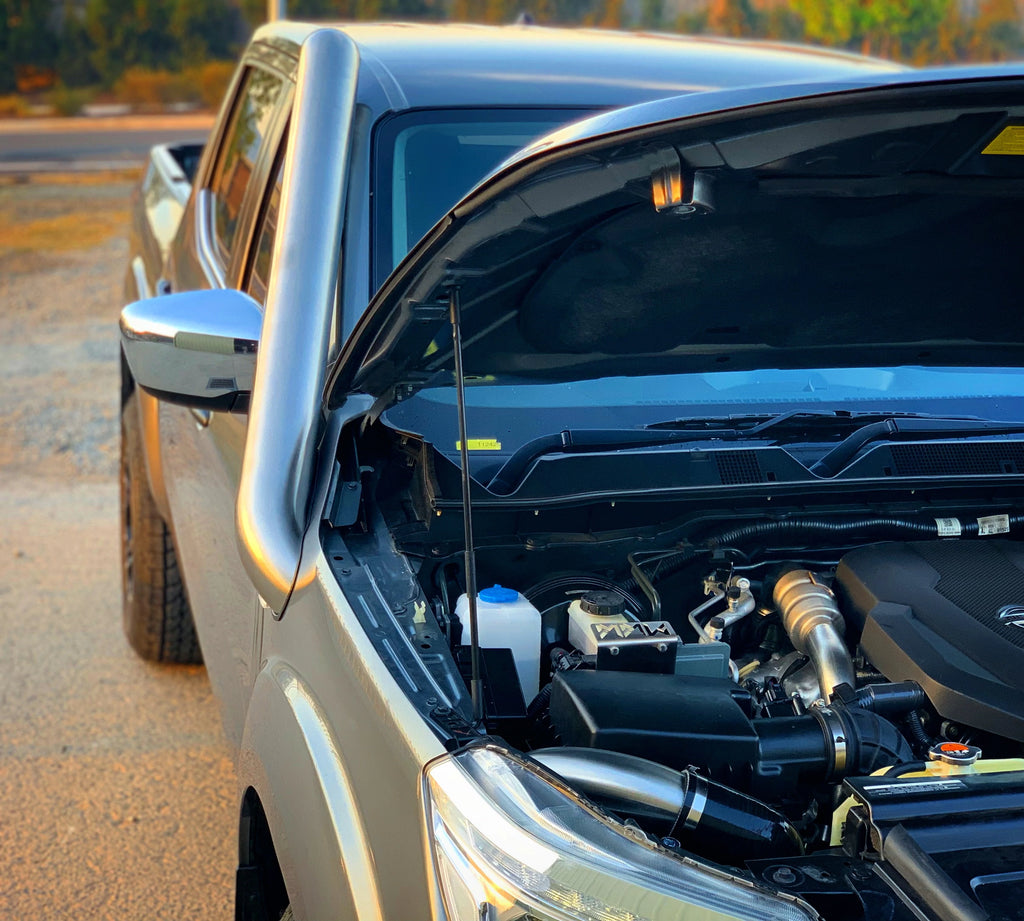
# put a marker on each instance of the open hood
(828, 226)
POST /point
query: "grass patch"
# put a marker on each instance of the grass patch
(130, 174)
(62, 232)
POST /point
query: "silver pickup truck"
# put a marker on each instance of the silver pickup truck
(632, 533)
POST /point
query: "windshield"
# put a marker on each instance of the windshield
(503, 415)
(426, 161)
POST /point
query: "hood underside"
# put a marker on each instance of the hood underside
(870, 227)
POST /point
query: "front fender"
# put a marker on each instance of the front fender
(290, 758)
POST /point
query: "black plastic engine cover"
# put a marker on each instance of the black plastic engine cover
(948, 614)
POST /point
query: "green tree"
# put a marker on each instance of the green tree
(30, 39)
(780, 22)
(74, 52)
(129, 33)
(732, 17)
(7, 82)
(886, 27)
(652, 14)
(997, 31)
(204, 29)
(255, 11)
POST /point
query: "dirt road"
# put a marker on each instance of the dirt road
(117, 796)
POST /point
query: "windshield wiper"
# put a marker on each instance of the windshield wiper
(794, 420)
(724, 428)
(868, 427)
(895, 427)
(580, 440)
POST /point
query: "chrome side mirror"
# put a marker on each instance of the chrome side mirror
(197, 348)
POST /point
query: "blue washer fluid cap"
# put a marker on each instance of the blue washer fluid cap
(498, 595)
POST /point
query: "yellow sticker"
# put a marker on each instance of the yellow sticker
(480, 444)
(1009, 142)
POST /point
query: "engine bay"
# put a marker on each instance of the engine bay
(826, 699)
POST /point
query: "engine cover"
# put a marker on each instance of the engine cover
(949, 615)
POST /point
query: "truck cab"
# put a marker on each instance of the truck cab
(336, 149)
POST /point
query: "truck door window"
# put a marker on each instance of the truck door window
(263, 252)
(237, 159)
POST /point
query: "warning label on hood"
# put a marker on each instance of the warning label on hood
(1008, 143)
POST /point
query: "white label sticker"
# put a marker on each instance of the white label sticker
(994, 524)
(923, 786)
(948, 527)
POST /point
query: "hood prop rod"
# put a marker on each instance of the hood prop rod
(475, 683)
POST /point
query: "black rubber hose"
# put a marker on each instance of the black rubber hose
(891, 527)
(728, 826)
(540, 703)
(667, 566)
(905, 767)
(920, 739)
(877, 742)
(891, 699)
(896, 527)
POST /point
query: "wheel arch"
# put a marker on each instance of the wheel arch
(260, 891)
(290, 764)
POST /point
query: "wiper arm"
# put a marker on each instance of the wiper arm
(894, 427)
(869, 427)
(583, 440)
(746, 426)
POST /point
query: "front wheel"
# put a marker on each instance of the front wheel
(157, 619)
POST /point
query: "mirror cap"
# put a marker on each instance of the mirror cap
(196, 348)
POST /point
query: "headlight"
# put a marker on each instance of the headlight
(510, 844)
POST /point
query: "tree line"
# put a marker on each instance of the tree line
(916, 31)
(94, 42)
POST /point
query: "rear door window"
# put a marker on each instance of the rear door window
(236, 162)
(266, 227)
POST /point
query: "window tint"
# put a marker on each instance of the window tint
(252, 117)
(263, 254)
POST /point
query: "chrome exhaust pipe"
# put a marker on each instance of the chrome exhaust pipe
(811, 617)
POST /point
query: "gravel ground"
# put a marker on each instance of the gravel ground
(117, 796)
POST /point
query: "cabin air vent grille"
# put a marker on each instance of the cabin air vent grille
(987, 458)
(737, 467)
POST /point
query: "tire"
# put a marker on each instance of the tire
(157, 619)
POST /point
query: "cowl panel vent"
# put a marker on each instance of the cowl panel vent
(981, 459)
(738, 467)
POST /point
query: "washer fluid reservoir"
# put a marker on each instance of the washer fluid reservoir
(506, 620)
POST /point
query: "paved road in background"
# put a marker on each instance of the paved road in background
(81, 144)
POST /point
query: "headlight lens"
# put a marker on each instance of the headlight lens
(512, 845)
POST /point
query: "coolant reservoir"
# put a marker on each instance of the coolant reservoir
(602, 608)
(506, 620)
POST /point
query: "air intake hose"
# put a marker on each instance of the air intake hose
(705, 817)
(826, 744)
